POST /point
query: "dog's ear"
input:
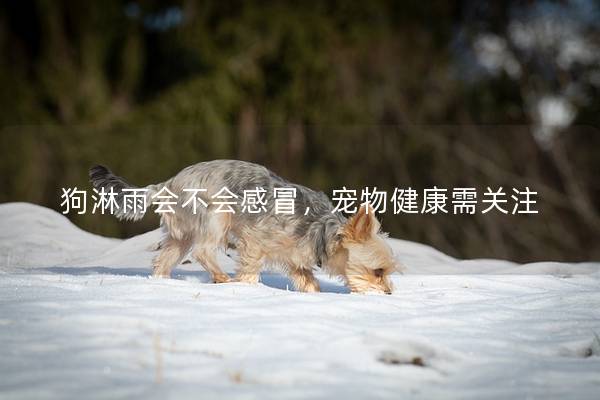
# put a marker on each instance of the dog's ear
(327, 238)
(362, 225)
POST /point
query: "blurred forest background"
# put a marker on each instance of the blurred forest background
(325, 93)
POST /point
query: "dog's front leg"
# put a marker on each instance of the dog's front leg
(304, 280)
(248, 270)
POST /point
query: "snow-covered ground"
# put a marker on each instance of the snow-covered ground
(80, 318)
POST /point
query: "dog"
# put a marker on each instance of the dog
(313, 235)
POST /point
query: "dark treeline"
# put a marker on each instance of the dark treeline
(325, 93)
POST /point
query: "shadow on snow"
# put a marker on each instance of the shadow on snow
(270, 279)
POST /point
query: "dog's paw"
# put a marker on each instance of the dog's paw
(310, 287)
(247, 278)
(224, 278)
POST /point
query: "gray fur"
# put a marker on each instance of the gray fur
(317, 229)
(102, 178)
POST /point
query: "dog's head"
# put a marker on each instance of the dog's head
(362, 256)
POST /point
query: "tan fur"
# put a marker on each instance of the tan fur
(352, 249)
(257, 247)
(361, 258)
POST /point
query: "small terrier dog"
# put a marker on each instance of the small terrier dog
(352, 248)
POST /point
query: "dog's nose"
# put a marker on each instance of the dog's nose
(388, 292)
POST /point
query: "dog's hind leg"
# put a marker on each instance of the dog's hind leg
(303, 279)
(207, 258)
(211, 238)
(250, 263)
(172, 252)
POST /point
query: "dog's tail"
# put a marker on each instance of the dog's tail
(102, 178)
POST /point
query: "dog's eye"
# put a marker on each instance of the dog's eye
(378, 272)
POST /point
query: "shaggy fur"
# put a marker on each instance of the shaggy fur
(353, 248)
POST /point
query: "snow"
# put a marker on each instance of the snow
(79, 317)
